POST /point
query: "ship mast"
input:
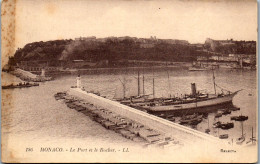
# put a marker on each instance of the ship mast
(169, 84)
(138, 83)
(153, 85)
(252, 135)
(214, 81)
(143, 81)
(208, 122)
(124, 85)
(242, 128)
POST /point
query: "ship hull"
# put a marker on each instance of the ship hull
(194, 105)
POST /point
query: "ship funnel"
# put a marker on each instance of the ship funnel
(193, 89)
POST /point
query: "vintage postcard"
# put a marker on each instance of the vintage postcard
(129, 81)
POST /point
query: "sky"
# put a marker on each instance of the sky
(194, 21)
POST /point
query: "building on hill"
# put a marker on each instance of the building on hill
(91, 38)
(175, 41)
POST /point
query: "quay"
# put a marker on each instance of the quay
(164, 127)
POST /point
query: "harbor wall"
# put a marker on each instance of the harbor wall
(28, 76)
(171, 129)
(25, 73)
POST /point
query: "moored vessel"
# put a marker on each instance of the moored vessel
(239, 118)
(20, 85)
(194, 100)
(223, 136)
(192, 120)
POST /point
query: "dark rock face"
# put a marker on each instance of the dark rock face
(115, 49)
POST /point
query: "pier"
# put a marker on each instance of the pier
(166, 128)
(28, 76)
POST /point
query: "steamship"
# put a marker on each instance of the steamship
(188, 101)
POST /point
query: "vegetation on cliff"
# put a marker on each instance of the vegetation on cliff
(111, 50)
(126, 48)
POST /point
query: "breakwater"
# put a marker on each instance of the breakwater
(164, 127)
(28, 76)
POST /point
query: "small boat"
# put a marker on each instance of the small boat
(218, 115)
(223, 136)
(195, 122)
(20, 85)
(217, 124)
(207, 131)
(234, 108)
(193, 119)
(60, 95)
(226, 126)
(239, 118)
(225, 112)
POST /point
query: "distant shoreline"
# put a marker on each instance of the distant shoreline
(114, 68)
(170, 66)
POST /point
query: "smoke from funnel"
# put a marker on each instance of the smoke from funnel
(69, 50)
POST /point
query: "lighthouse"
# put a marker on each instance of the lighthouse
(78, 82)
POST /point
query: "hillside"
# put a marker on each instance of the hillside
(115, 49)
(109, 49)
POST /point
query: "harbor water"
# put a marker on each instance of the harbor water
(34, 113)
